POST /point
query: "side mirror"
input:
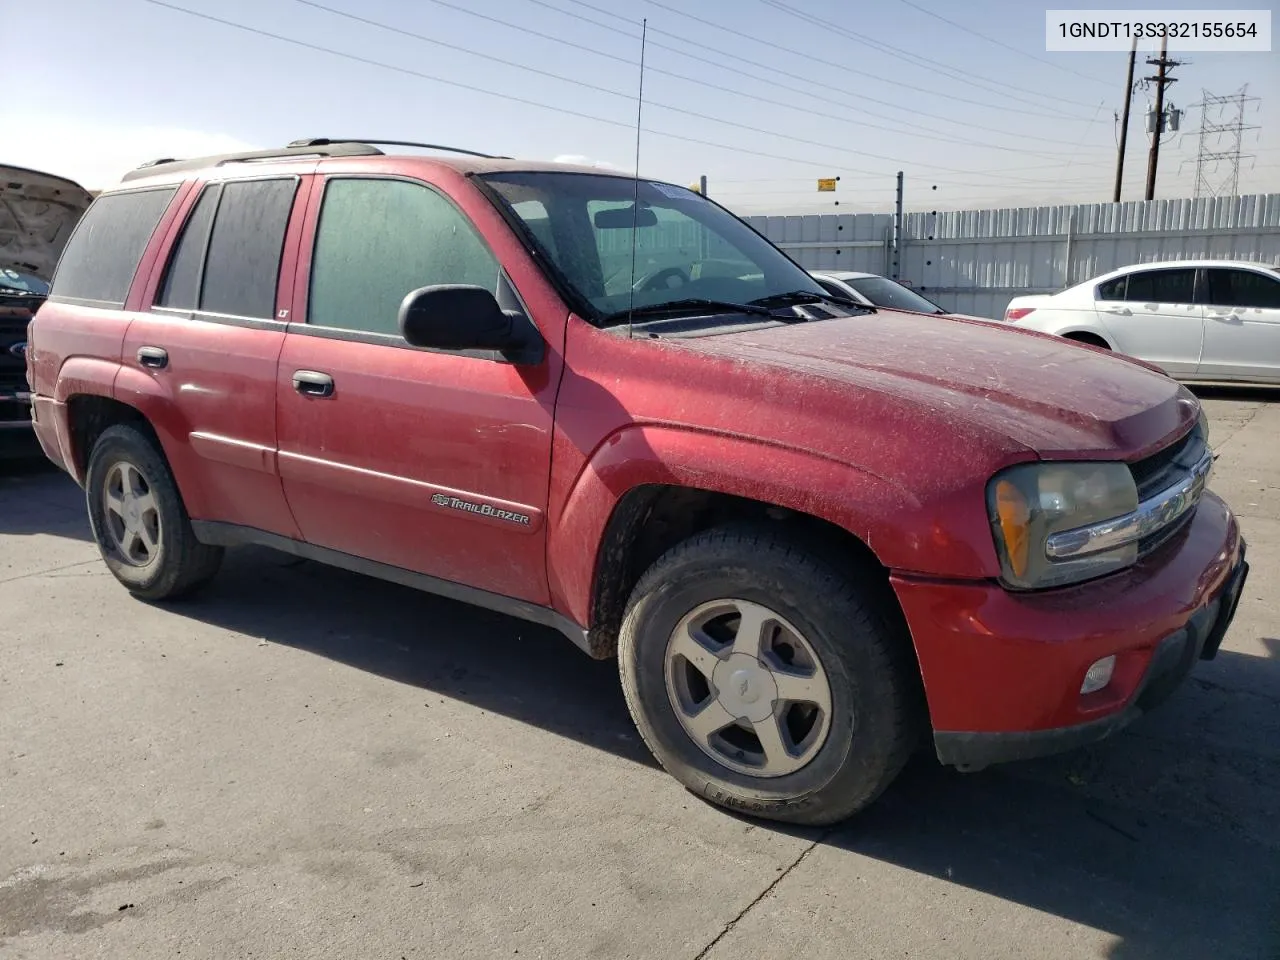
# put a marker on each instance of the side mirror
(455, 317)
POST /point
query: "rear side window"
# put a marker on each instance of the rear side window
(1162, 286)
(1243, 288)
(103, 253)
(181, 288)
(1113, 289)
(242, 266)
(380, 239)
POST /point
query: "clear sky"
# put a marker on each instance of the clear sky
(779, 92)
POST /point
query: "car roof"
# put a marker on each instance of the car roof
(1184, 264)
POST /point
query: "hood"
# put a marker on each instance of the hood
(965, 316)
(38, 211)
(1053, 397)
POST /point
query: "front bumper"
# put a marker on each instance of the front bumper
(1003, 671)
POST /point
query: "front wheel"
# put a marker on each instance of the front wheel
(765, 680)
(139, 521)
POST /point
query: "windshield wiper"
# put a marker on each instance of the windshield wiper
(806, 296)
(690, 304)
(790, 297)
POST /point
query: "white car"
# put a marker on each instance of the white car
(1209, 320)
(877, 291)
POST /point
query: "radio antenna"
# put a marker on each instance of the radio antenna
(635, 206)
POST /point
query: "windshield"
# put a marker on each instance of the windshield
(22, 282)
(687, 248)
(884, 292)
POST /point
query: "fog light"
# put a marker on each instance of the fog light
(1099, 675)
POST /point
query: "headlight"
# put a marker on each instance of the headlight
(1028, 503)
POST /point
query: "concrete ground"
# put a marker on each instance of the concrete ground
(305, 763)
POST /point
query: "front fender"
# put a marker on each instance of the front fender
(867, 506)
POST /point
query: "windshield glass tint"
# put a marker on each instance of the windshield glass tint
(687, 247)
(884, 292)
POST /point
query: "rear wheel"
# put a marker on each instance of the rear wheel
(765, 680)
(139, 521)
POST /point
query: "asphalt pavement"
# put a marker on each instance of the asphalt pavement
(306, 763)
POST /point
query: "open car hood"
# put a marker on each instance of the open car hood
(38, 211)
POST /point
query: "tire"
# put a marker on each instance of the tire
(146, 539)
(872, 725)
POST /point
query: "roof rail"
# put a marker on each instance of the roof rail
(324, 142)
(300, 149)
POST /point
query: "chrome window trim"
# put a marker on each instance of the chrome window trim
(1151, 516)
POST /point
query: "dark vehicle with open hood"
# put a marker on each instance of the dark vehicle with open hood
(38, 211)
(815, 535)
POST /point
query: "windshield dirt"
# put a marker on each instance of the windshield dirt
(686, 248)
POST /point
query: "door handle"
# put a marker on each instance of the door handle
(1122, 311)
(155, 357)
(312, 383)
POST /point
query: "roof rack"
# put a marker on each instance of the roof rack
(298, 149)
(295, 151)
(324, 142)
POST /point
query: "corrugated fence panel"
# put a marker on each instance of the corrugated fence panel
(976, 261)
(832, 242)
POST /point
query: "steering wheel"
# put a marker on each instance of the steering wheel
(659, 280)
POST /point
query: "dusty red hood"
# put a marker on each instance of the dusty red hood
(1052, 396)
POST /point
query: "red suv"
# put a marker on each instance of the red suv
(608, 405)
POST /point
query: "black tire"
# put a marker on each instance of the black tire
(180, 564)
(869, 663)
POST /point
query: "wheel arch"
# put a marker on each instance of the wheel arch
(647, 489)
(137, 399)
(1090, 336)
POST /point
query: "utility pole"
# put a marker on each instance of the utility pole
(897, 232)
(702, 185)
(1161, 80)
(1124, 120)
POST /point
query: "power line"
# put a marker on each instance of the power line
(807, 56)
(511, 98)
(569, 112)
(976, 80)
(736, 57)
(615, 93)
(1000, 43)
(923, 133)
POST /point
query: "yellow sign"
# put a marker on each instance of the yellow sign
(827, 185)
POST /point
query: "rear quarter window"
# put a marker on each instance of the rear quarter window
(102, 256)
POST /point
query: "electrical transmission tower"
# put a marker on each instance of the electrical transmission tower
(1222, 130)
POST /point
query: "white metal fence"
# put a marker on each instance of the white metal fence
(976, 261)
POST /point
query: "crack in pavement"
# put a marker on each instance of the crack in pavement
(42, 573)
(1240, 429)
(763, 893)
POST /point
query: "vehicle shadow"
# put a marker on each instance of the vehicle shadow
(526, 671)
(1165, 888)
(1131, 859)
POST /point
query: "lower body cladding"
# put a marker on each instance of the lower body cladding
(1010, 676)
